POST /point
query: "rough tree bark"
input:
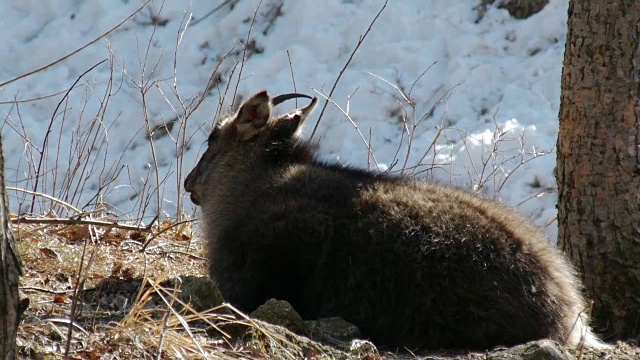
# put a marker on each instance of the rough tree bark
(10, 270)
(598, 162)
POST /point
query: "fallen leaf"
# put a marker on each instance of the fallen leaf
(58, 299)
(49, 253)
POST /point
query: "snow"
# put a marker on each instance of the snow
(495, 85)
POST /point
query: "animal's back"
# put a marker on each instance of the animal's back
(410, 263)
(448, 269)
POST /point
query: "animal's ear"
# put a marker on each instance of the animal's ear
(290, 125)
(252, 116)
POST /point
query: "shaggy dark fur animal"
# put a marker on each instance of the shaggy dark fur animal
(412, 264)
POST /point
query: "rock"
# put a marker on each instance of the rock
(535, 350)
(200, 292)
(545, 350)
(281, 313)
(332, 331)
(269, 341)
(363, 349)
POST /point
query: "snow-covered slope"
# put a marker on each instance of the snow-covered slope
(498, 79)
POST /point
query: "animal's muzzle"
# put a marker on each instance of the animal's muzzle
(190, 188)
(194, 200)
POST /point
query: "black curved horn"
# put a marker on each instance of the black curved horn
(284, 97)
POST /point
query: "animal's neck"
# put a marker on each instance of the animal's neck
(289, 153)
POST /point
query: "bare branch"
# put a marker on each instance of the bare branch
(335, 84)
(76, 51)
(76, 221)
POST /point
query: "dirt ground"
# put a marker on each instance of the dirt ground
(124, 307)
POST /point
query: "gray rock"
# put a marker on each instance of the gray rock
(333, 330)
(535, 350)
(281, 313)
(269, 341)
(200, 292)
(545, 350)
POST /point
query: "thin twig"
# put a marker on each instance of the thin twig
(62, 321)
(163, 336)
(353, 123)
(143, 87)
(16, 101)
(244, 52)
(46, 137)
(165, 230)
(81, 277)
(293, 78)
(48, 197)
(344, 68)
(394, 86)
(48, 291)
(420, 77)
(183, 123)
(211, 12)
(75, 221)
(369, 149)
(179, 317)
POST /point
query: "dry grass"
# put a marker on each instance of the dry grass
(126, 303)
(52, 256)
(130, 311)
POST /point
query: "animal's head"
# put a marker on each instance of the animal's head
(243, 137)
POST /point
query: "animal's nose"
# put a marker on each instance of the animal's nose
(189, 186)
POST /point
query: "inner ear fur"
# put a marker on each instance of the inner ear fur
(290, 125)
(287, 126)
(252, 116)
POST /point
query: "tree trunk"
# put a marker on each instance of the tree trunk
(598, 164)
(10, 269)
